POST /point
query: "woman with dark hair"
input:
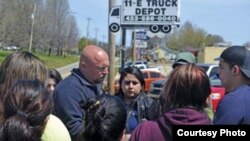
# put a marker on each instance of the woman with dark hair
(27, 109)
(24, 65)
(185, 95)
(54, 79)
(18, 66)
(139, 106)
(105, 119)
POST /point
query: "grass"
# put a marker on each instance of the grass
(52, 61)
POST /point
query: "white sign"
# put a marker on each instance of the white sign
(141, 35)
(159, 34)
(140, 44)
(150, 10)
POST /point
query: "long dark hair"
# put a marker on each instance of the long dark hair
(18, 66)
(105, 119)
(54, 74)
(26, 108)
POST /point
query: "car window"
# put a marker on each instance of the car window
(213, 71)
(141, 67)
(139, 62)
(204, 67)
(154, 75)
(215, 76)
(145, 75)
(128, 64)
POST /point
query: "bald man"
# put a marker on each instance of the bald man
(83, 84)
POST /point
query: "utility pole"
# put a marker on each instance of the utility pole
(123, 48)
(88, 18)
(133, 46)
(96, 40)
(111, 75)
(32, 26)
(103, 39)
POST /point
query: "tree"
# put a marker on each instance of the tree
(52, 31)
(191, 36)
(82, 43)
(213, 39)
(247, 44)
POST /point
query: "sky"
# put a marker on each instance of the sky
(228, 18)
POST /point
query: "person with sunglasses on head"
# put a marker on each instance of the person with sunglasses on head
(83, 84)
(139, 106)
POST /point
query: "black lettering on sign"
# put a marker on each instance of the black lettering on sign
(150, 11)
(150, 18)
(127, 3)
(168, 3)
(139, 3)
(137, 11)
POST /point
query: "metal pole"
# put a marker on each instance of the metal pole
(111, 39)
(123, 48)
(133, 47)
(32, 27)
(88, 30)
(96, 41)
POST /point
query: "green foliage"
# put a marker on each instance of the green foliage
(212, 39)
(52, 61)
(188, 36)
(82, 43)
(192, 36)
(54, 24)
(3, 54)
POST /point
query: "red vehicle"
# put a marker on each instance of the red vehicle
(217, 93)
(149, 76)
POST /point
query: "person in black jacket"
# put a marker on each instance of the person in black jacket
(139, 106)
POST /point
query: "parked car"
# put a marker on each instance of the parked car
(136, 63)
(156, 87)
(216, 87)
(144, 67)
(149, 76)
(9, 48)
(211, 69)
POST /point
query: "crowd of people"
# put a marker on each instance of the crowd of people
(26, 104)
(37, 104)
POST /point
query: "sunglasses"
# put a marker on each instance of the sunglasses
(128, 82)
